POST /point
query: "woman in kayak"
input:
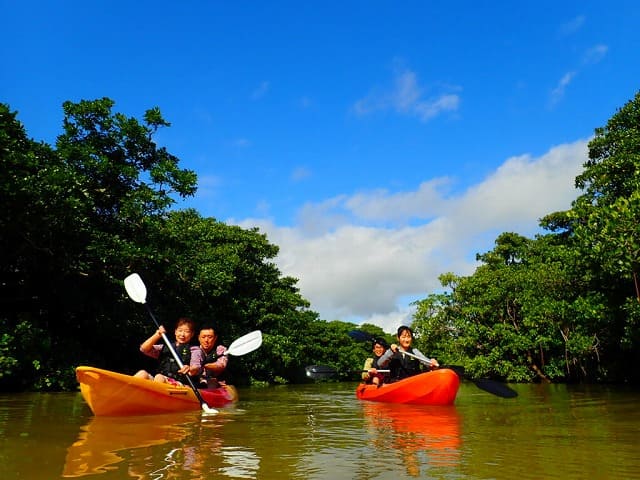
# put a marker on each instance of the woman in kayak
(371, 375)
(403, 366)
(214, 360)
(168, 369)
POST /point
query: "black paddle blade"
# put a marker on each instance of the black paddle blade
(492, 386)
(361, 336)
(497, 388)
(320, 371)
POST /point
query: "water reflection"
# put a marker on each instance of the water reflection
(322, 432)
(101, 440)
(423, 436)
(239, 462)
(159, 447)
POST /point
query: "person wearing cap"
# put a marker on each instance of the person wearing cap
(371, 374)
(403, 366)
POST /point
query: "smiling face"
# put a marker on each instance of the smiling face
(183, 334)
(378, 349)
(184, 331)
(405, 337)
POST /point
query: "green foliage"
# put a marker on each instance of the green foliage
(79, 218)
(563, 306)
(606, 216)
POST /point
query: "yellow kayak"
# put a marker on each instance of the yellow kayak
(115, 394)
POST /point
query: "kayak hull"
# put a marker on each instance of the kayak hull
(437, 387)
(115, 394)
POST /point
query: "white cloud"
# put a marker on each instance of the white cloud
(406, 97)
(573, 25)
(352, 270)
(260, 91)
(300, 173)
(592, 56)
(558, 92)
(595, 54)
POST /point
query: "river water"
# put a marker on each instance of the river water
(321, 431)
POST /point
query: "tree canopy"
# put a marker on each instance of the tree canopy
(565, 305)
(80, 216)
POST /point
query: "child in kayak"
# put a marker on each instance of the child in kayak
(168, 369)
(403, 366)
(371, 375)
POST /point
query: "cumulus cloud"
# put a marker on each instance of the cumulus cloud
(358, 257)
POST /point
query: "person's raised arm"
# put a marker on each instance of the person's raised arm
(147, 346)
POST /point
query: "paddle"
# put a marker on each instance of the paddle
(245, 344)
(491, 386)
(137, 291)
(494, 387)
(325, 371)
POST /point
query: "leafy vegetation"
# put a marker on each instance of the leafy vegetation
(565, 305)
(79, 216)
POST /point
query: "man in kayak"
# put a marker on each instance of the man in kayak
(168, 369)
(403, 366)
(214, 360)
(371, 375)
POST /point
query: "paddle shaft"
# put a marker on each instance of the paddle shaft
(137, 291)
(178, 360)
(322, 371)
(491, 386)
(420, 359)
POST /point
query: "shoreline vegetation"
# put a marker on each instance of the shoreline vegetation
(81, 215)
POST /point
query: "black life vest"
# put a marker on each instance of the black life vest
(167, 365)
(374, 364)
(403, 366)
(210, 357)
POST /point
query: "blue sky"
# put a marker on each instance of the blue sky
(379, 144)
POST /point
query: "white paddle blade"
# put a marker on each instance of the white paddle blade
(135, 288)
(209, 410)
(245, 344)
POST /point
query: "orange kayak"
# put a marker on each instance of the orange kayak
(437, 387)
(115, 394)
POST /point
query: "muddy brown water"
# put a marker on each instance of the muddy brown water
(321, 431)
